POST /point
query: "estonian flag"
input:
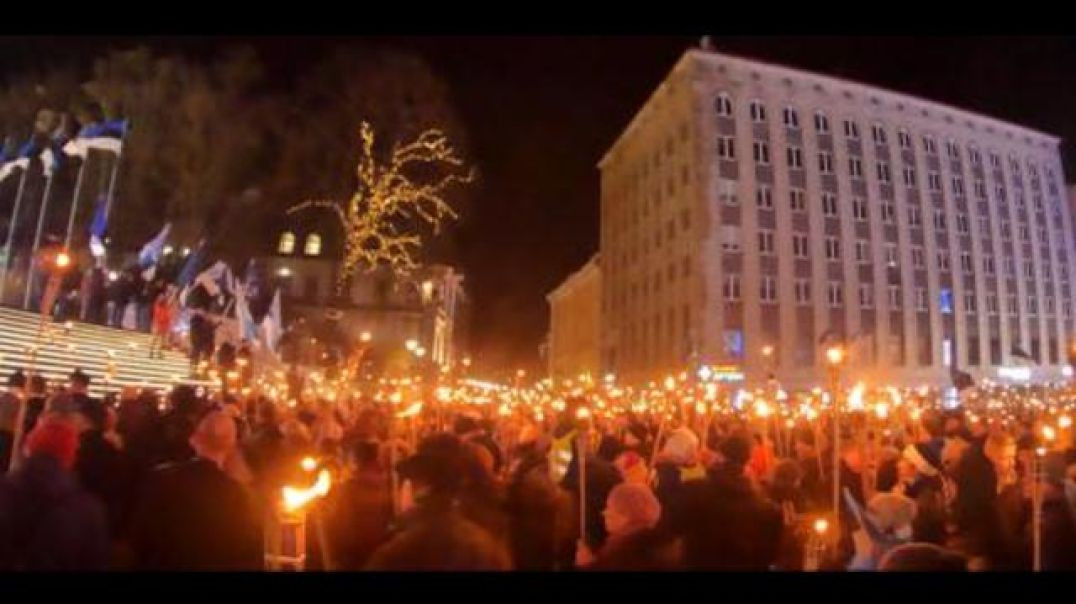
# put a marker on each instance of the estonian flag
(106, 136)
(21, 159)
(190, 268)
(97, 229)
(151, 252)
(273, 324)
(247, 329)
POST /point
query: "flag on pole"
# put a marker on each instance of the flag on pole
(247, 329)
(152, 250)
(20, 160)
(105, 136)
(273, 324)
(216, 279)
(962, 380)
(190, 267)
(97, 230)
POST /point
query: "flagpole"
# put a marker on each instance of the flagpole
(37, 239)
(112, 178)
(11, 231)
(74, 201)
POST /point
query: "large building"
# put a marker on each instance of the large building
(749, 205)
(573, 345)
(428, 306)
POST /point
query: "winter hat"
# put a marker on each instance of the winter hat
(926, 457)
(56, 438)
(441, 462)
(17, 379)
(682, 446)
(78, 378)
(636, 502)
(892, 513)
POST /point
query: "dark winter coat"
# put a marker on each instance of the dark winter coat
(642, 550)
(358, 514)
(192, 516)
(107, 473)
(601, 477)
(48, 522)
(436, 536)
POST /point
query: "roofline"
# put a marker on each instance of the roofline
(781, 70)
(558, 291)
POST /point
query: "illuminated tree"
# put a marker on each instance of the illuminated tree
(393, 200)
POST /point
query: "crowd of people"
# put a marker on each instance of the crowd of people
(192, 481)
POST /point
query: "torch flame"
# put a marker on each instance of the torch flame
(295, 498)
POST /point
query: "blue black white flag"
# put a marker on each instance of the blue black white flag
(151, 252)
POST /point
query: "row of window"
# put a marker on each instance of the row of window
(790, 117)
(286, 245)
(731, 290)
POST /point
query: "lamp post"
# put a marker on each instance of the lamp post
(835, 358)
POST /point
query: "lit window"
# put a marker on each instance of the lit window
(287, 243)
(312, 247)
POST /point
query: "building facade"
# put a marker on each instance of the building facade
(428, 306)
(573, 344)
(749, 205)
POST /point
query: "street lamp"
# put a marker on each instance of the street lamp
(835, 357)
(365, 337)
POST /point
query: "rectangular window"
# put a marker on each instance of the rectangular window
(958, 186)
(952, 149)
(859, 209)
(1010, 304)
(797, 200)
(934, 181)
(988, 265)
(829, 204)
(1010, 266)
(855, 167)
(765, 242)
(929, 145)
(903, 139)
(799, 246)
(878, 134)
(918, 257)
(835, 294)
(992, 303)
(894, 296)
(758, 111)
(821, 123)
(732, 287)
(891, 257)
(921, 298)
(803, 292)
(883, 172)
(762, 152)
(980, 189)
(764, 198)
(795, 158)
(767, 291)
(995, 160)
(863, 254)
(909, 177)
(1029, 269)
(1032, 305)
(792, 120)
(833, 248)
(943, 262)
(984, 226)
(851, 129)
(889, 213)
(825, 162)
(962, 224)
(965, 263)
(866, 296)
(725, 149)
(723, 104)
(939, 220)
(915, 218)
(969, 302)
(730, 238)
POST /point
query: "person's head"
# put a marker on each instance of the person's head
(631, 507)
(954, 425)
(366, 454)
(93, 412)
(787, 475)
(735, 450)
(440, 466)
(893, 514)
(55, 437)
(952, 452)
(933, 425)
(79, 382)
(215, 437)
(922, 557)
(16, 382)
(38, 385)
(681, 447)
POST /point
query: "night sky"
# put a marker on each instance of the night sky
(541, 111)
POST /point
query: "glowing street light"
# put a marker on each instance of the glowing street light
(411, 345)
(835, 355)
(767, 350)
(365, 337)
